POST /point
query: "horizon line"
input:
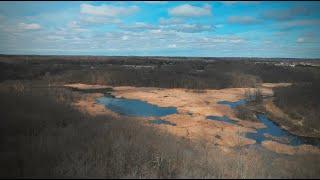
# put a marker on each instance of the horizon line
(1, 54)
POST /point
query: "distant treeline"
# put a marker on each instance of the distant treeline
(156, 72)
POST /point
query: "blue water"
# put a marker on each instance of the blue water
(233, 104)
(279, 135)
(160, 121)
(273, 130)
(222, 118)
(132, 107)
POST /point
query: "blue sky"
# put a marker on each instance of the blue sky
(202, 28)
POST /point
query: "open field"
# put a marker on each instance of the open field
(53, 125)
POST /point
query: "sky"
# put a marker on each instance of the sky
(161, 28)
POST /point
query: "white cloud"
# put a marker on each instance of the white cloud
(191, 28)
(217, 40)
(219, 26)
(98, 20)
(31, 26)
(107, 10)
(185, 28)
(178, 24)
(138, 26)
(242, 20)
(124, 37)
(307, 39)
(236, 40)
(156, 31)
(286, 14)
(55, 38)
(294, 23)
(188, 10)
(66, 40)
(73, 24)
(221, 40)
(301, 40)
(172, 46)
(170, 21)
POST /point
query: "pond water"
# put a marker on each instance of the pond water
(277, 134)
(233, 104)
(160, 121)
(133, 107)
(222, 118)
(280, 135)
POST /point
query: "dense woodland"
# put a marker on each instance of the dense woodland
(301, 102)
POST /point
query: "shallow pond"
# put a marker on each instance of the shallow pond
(233, 104)
(222, 118)
(160, 121)
(133, 107)
(280, 135)
(271, 132)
